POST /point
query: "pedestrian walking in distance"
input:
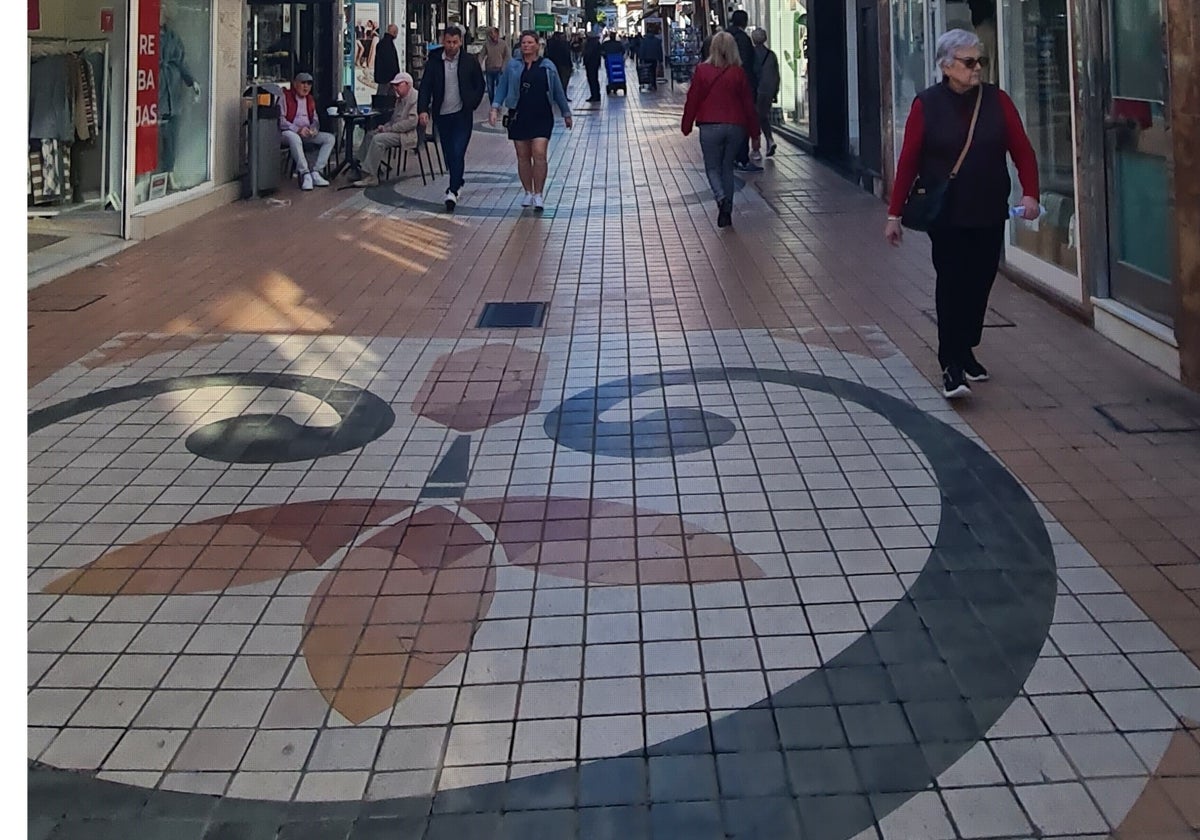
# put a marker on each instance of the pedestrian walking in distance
(958, 135)
(719, 101)
(529, 88)
(766, 69)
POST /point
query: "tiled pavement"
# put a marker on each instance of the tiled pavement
(704, 556)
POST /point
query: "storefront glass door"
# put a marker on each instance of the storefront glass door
(1138, 145)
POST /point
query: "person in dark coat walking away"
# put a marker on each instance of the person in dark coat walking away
(968, 234)
(738, 21)
(558, 50)
(650, 54)
(718, 100)
(766, 68)
(592, 57)
(387, 60)
(451, 90)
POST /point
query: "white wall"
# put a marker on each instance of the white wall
(229, 77)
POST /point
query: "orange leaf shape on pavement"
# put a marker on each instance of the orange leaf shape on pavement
(610, 543)
(227, 551)
(473, 389)
(396, 611)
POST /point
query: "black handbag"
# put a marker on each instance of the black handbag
(927, 199)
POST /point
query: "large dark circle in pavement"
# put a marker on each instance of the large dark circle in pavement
(860, 736)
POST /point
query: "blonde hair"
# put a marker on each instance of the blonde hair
(723, 51)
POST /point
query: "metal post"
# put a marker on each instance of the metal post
(253, 123)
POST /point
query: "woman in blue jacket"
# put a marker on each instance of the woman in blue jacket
(527, 89)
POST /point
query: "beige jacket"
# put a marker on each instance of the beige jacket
(404, 120)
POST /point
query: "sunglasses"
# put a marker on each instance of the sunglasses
(972, 62)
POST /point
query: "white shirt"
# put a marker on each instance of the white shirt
(452, 102)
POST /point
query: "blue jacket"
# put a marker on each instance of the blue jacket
(508, 91)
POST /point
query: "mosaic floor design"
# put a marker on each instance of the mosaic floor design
(505, 587)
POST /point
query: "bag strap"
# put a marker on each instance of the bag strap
(970, 135)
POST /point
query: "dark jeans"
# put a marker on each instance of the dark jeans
(593, 80)
(720, 143)
(966, 261)
(454, 130)
(493, 79)
(564, 74)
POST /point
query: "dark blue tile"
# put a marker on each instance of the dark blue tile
(617, 781)
(751, 774)
(389, 828)
(549, 790)
(860, 684)
(242, 831)
(835, 816)
(470, 800)
(623, 822)
(822, 772)
(538, 825)
(773, 818)
(691, 820)
(892, 769)
(942, 720)
(807, 727)
(749, 729)
(678, 778)
(321, 830)
(875, 724)
(463, 826)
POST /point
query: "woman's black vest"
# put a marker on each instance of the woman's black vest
(979, 196)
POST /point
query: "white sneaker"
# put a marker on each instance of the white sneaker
(319, 179)
(451, 200)
(538, 206)
(526, 199)
(306, 181)
(756, 156)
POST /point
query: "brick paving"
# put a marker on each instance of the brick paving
(705, 555)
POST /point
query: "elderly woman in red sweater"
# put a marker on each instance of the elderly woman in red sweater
(720, 102)
(968, 234)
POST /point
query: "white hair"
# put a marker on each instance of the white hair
(953, 41)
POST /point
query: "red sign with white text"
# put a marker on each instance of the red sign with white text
(106, 20)
(146, 156)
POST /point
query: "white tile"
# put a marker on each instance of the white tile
(677, 693)
(612, 696)
(545, 739)
(549, 699)
(401, 784)
(326, 786)
(1063, 808)
(492, 666)
(556, 663)
(600, 737)
(345, 749)
(486, 702)
(987, 812)
(282, 749)
(425, 707)
(735, 689)
(412, 748)
(145, 749)
(479, 743)
(618, 660)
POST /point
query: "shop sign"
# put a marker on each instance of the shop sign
(35, 15)
(146, 132)
(543, 22)
(106, 20)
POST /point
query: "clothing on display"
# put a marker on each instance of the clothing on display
(65, 107)
(174, 78)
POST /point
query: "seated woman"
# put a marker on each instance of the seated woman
(398, 132)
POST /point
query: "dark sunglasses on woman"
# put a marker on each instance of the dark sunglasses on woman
(972, 62)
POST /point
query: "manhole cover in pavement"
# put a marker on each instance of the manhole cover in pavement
(512, 315)
(1149, 416)
(62, 303)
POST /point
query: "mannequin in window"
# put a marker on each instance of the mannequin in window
(983, 20)
(175, 82)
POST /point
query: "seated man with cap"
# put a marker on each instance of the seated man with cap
(398, 132)
(300, 127)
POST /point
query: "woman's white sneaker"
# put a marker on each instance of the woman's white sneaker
(526, 199)
(538, 206)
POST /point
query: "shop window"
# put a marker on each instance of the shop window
(788, 37)
(173, 114)
(1038, 80)
(909, 73)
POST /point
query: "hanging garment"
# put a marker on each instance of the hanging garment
(75, 92)
(50, 114)
(90, 96)
(49, 171)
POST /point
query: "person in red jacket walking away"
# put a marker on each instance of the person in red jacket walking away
(720, 102)
(968, 235)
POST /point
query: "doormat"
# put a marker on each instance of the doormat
(1149, 417)
(62, 303)
(38, 241)
(512, 315)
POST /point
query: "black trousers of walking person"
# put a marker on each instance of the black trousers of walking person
(966, 261)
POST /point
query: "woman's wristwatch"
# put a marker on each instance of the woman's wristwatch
(894, 219)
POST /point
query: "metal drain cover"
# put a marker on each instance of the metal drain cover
(512, 315)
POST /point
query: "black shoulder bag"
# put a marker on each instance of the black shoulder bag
(927, 199)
